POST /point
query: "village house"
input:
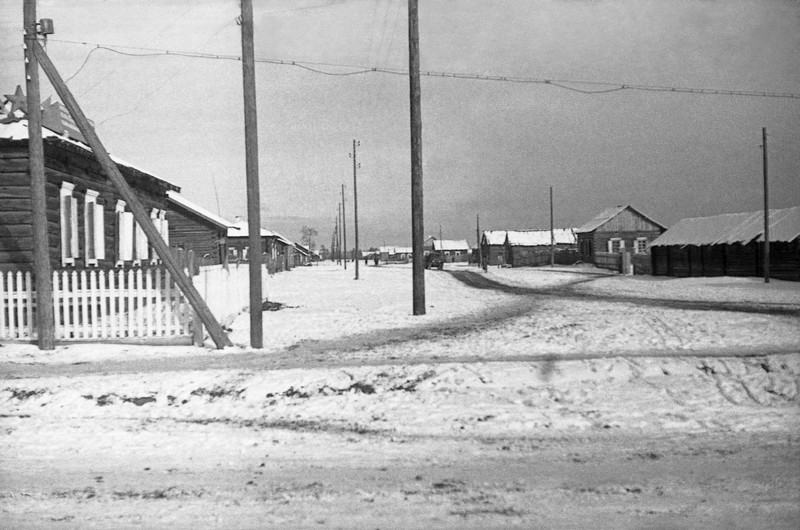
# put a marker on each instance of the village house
(395, 254)
(193, 228)
(277, 251)
(525, 248)
(88, 222)
(449, 250)
(730, 245)
(614, 231)
(493, 247)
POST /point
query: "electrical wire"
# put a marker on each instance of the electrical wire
(317, 67)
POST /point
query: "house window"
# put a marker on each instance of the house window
(93, 229)
(124, 234)
(641, 245)
(616, 245)
(69, 224)
(159, 219)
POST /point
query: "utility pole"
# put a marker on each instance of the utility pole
(552, 234)
(339, 234)
(766, 205)
(43, 278)
(355, 203)
(251, 166)
(417, 223)
(344, 229)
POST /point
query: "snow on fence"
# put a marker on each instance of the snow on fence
(92, 304)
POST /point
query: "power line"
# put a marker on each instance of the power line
(317, 67)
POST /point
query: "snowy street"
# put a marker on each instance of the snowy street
(574, 398)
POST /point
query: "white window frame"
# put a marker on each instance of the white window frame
(94, 242)
(616, 240)
(69, 224)
(636, 245)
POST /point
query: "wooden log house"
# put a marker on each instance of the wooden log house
(616, 230)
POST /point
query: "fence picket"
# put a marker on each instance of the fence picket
(29, 327)
(3, 306)
(93, 303)
(149, 305)
(159, 303)
(18, 305)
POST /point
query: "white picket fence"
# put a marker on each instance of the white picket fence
(93, 304)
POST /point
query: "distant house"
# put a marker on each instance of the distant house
(88, 222)
(390, 254)
(302, 255)
(239, 241)
(192, 227)
(615, 230)
(730, 245)
(526, 248)
(493, 247)
(450, 250)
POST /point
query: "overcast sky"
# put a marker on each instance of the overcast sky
(489, 148)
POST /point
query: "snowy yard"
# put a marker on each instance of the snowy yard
(493, 410)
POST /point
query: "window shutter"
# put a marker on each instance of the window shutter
(141, 243)
(66, 226)
(125, 236)
(99, 232)
(610, 246)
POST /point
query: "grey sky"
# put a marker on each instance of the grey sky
(489, 148)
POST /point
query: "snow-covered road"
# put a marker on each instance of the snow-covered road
(494, 410)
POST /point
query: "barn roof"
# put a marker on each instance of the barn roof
(535, 238)
(784, 225)
(495, 237)
(179, 199)
(450, 244)
(395, 250)
(608, 214)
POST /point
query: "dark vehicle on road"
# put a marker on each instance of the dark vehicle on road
(434, 261)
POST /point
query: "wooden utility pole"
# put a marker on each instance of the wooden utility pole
(355, 204)
(478, 238)
(251, 168)
(43, 279)
(139, 214)
(339, 235)
(552, 234)
(344, 229)
(417, 224)
(766, 205)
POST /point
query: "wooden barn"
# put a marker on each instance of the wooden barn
(730, 245)
(493, 247)
(192, 227)
(277, 251)
(526, 248)
(615, 230)
(89, 225)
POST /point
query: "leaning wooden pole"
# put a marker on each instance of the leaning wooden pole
(417, 226)
(251, 170)
(766, 205)
(139, 214)
(45, 321)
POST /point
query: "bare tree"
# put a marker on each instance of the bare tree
(308, 237)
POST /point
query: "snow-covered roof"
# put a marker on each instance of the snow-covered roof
(494, 237)
(240, 229)
(18, 131)
(784, 225)
(450, 244)
(535, 238)
(608, 214)
(395, 250)
(177, 198)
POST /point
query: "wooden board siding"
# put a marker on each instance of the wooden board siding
(660, 260)
(713, 260)
(785, 260)
(63, 163)
(190, 232)
(742, 260)
(494, 254)
(728, 260)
